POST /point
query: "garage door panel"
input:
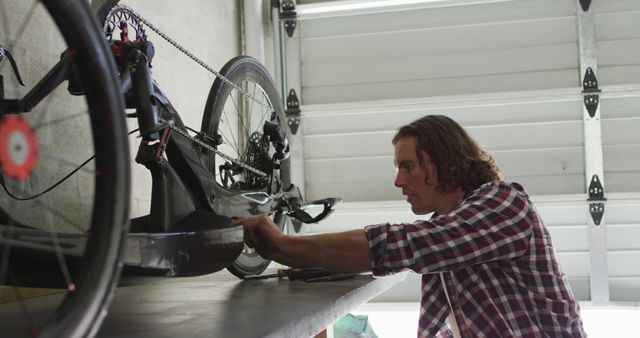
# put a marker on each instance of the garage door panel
(616, 6)
(441, 66)
(623, 237)
(376, 190)
(351, 169)
(349, 145)
(569, 238)
(624, 289)
(540, 162)
(617, 25)
(574, 264)
(620, 107)
(372, 190)
(525, 81)
(621, 131)
(550, 184)
(621, 158)
(331, 120)
(527, 136)
(439, 41)
(622, 181)
(619, 75)
(492, 138)
(619, 53)
(473, 14)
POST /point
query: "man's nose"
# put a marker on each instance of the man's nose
(400, 180)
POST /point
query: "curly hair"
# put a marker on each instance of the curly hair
(460, 161)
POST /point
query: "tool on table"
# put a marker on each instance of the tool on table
(331, 278)
(304, 274)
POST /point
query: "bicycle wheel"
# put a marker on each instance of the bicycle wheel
(236, 124)
(59, 250)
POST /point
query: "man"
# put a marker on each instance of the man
(485, 256)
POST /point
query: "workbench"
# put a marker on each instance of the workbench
(221, 305)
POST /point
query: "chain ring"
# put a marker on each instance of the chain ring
(18, 148)
(118, 15)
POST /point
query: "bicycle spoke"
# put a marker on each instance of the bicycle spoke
(23, 306)
(60, 216)
(68, 163)
(241, 118)
(6, 276)
(77, 168)
(240, 122)
(235, 143)
(6, 250)
(61, 262)
(57, 121)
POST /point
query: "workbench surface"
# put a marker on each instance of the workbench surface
(221, 305)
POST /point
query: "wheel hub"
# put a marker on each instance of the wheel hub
(18, 147)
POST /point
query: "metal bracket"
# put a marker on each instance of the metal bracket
(293, 111)
(289, 15)
(596, 210)
(585, 4)
(596, 196)
(590, 92)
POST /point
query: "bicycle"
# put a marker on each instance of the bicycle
(235, 165)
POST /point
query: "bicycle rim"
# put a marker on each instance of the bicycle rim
(60, 252)
(237, 122)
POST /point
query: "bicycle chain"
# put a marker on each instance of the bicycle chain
(208, 68)
(216, 151)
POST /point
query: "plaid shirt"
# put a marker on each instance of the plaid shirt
(499, 267)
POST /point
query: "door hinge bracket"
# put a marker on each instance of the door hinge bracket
(293, 111)
(596, 200)
(289, 16)
(590, 92)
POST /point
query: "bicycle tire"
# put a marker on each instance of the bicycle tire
(245, 72)
(100, 224)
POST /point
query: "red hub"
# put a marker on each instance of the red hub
(18, 147)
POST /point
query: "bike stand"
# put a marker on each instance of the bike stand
(204, 243)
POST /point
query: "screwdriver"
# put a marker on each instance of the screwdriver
(331, 278)
(296, 273)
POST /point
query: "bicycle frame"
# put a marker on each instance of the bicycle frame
(183, 184)
(186, 206)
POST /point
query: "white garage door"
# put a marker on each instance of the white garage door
(511, 73)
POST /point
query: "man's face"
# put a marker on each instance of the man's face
(417, 181)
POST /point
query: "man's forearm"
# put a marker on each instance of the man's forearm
(346, 252)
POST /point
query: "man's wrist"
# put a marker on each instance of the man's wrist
(279, 250)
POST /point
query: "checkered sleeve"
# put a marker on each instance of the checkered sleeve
(492, 223)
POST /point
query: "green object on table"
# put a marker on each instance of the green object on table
(351, 326)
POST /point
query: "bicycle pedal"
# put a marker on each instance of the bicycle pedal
(302, 213)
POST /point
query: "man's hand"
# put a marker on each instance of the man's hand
(262, 234)
(346, 252)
